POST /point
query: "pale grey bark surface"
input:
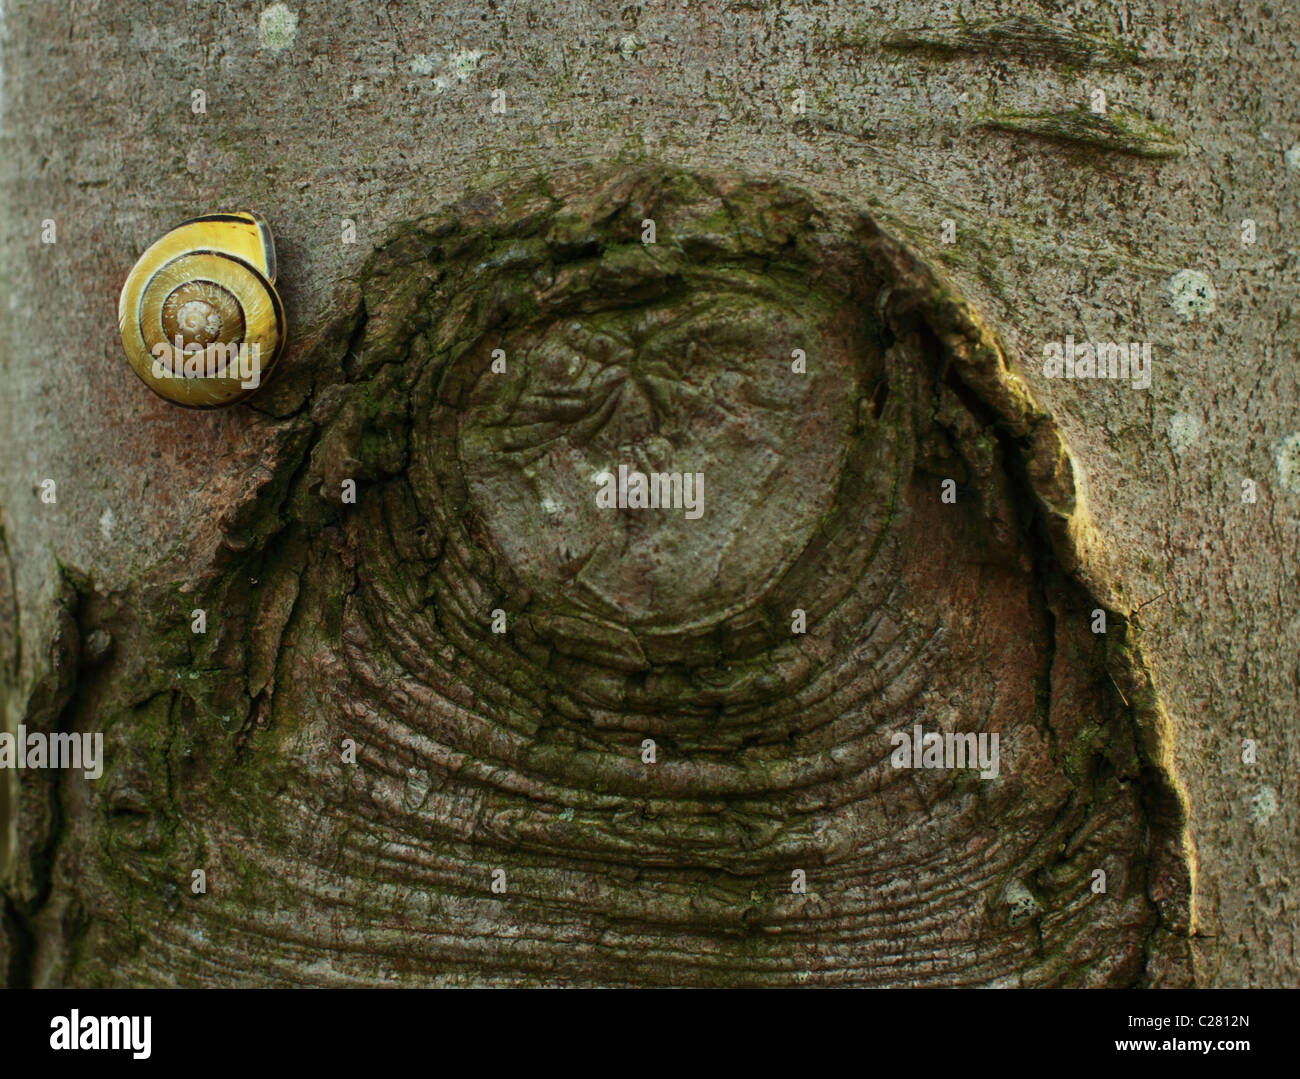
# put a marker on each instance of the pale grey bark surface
(381, 115)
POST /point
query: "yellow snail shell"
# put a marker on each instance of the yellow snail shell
(200, 319)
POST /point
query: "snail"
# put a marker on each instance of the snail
(200, 319)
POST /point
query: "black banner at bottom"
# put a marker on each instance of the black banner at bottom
(365, 1028)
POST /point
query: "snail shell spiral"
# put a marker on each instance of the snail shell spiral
(200, 319)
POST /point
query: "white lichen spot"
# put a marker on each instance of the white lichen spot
(463, 64)
(1022, 903)
(1192, 294)
(416, 790)
(1184, 430)
(629, 45)
(107, 522)
(1287, 456)
(323, 968)
(1293, 157)
(459, 65)
(277, 27)
(1263, 805)
(550, 506)
(358, 88)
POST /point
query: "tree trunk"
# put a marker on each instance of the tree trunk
(389, 694)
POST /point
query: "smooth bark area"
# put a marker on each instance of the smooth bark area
(777, 228)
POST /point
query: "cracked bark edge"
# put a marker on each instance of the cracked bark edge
(1059, 491)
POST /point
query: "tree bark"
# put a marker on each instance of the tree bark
(411, 744)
